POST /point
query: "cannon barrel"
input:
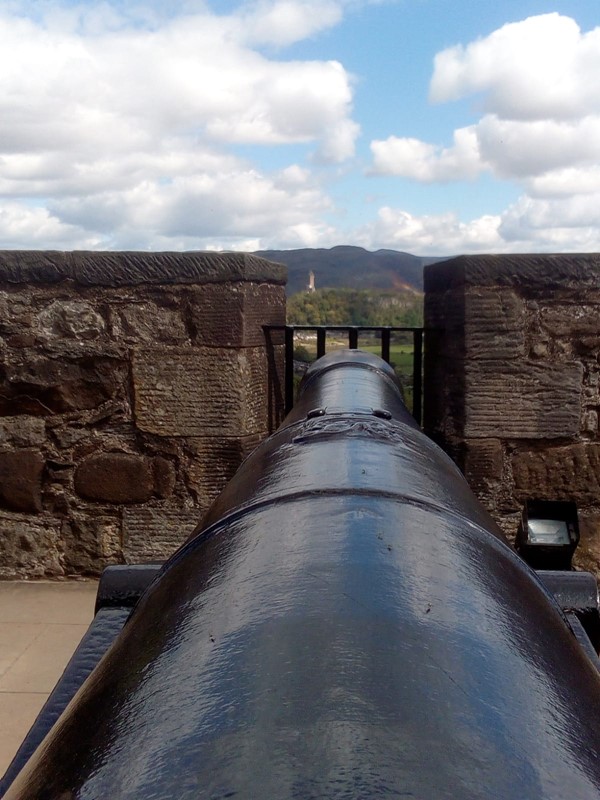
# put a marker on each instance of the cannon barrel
(348, 622)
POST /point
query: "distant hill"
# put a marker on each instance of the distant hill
(352, 267)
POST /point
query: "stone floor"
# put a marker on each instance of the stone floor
(41, 624)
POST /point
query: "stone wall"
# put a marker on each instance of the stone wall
(131, 387)
(512, 381)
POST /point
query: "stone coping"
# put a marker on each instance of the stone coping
(533, 270)
(128, 268)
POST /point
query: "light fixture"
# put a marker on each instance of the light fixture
(548, 534)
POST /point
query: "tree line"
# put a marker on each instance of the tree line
(355, 307)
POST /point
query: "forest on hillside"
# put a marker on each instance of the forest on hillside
(356, 307)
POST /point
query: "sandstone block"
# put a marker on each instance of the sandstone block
(590, 422)
(232, 315)
(153, 534)
(586, 346)
(163, 473)
(540, 350)
(16, 313)
(74, 319)
(145, 322)
(571, 472)
(522, 400)
(22, 431)
(534, 274)
(213, 463)
(574, 319)
(445, 310)
(133, 268)
(201, 391)
(494, 324)
(123, 478)
(29, 548)
(40, 385)
(587, 555)
(90, 544)
(509, 523)
(483, 462)
(21, 480)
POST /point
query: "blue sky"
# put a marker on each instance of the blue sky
(432, 126)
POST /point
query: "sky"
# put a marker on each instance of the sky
(436, 127)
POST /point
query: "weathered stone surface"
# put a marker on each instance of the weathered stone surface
(146, 322)
(573, 319)
(29, 548)
(229, 315)
(21, 480)
(57, 499)
(163, 473)
(589, 423)
(69, 435)
(254, 374)
(484, 461)
(201, 391)
(123, 478)
(494, 324)
(40, 385)
(90, 544)
(443, 395)
(480, 385)
(509, 523)
(559, 473)
(586, 346)
(587, 555)
(445, 310)
(131, 268)
(523, 400)
(532, 272)
(74, 319)
(69, 324)
(539, 350)
(22, 431)
(16, 313)
(153, 534)
(213, 463)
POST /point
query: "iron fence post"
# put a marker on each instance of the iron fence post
(417, 373)
(289, 368)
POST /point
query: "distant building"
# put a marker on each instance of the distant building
(311, 282)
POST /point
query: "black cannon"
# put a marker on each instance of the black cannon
(348, 622)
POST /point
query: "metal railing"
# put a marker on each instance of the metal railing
(353, 332)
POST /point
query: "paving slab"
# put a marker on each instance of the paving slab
(41, 624)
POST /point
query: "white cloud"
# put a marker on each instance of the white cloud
(235, 205)
(125, 130)
(438, 234)
(564, 182)
(568, 224)
(577, 214)
(537, 83)
(539, 79)
(520, 150)
(121, 127)
(286, 21)
(543, 67)
(24, 226)
(425, 162)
